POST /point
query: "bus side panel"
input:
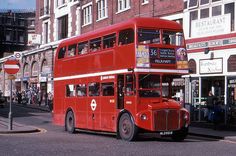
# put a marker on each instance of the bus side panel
(125, 56)
(81, 112)
(108, 113)
(59, 96)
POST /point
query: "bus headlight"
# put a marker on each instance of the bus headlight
(143, 117)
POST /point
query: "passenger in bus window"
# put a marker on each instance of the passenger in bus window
(72, 52)
(95, 47)
(166, 39)
(85, 49)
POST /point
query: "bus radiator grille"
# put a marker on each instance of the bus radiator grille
(167, 120)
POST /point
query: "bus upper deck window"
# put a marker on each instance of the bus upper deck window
(83, 48)
(173, 38)
(126, 36)
(71, 50)
(95, 44)
(147, 36)
(61, 53)
(109, 41)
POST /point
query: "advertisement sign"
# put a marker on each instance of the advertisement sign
(212, 66)
(211, 26)
(142, 56)
(34, 39)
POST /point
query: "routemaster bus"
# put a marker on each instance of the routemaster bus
(119, 79)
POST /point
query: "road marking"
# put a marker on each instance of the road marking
(228, 141)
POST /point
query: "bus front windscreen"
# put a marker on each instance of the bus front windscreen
(147, 36)
(149, 85)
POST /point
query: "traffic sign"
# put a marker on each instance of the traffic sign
(11, 66)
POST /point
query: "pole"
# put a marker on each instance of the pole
(10, 109)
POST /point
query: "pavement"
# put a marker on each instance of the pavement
(201, 129)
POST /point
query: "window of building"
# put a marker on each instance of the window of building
(215, 1)
(72, 50)
(70, 90)
(123, 5)
(94, 89)
(63, 27)
(102, 9)
(193, 16)
(229, 9)
(108, 89)
(193, 3)
(185, 4)
(62, 52)
(109, 41)
(60, 2)
(204, 2)
(126, 36)
(204, 13)
(95, 44)
(87, 14)
(216, 11)
(21, 22)
(81, 90)
(145, 2)
(21, 37)
(35, 69)
(45, 35)
(83, 48)
(9, 35)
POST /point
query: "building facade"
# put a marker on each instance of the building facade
(15, 26)
(209, 27)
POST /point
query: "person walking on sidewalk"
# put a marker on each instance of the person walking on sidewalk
(210, 105)
(50, 100)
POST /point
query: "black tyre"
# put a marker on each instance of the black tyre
(180, 135)
(70, 122)
(127, 129)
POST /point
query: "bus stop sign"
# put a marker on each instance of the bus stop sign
(11, 66)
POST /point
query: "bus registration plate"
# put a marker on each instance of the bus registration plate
(166, 133)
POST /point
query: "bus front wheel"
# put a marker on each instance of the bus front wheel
(70, 122)
(127, 128)
(180, 135)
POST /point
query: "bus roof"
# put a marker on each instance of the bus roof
(138, 21)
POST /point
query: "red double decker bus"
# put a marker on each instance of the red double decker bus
(119, 79)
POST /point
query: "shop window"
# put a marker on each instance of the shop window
(95, 44)
(229, 9)
(72, 50)
(83, 47)
(94, 89)
(126, 36)
(216, 11)
(81, 90)
(204, 13)
(70, 90)
(109, 41)
(61, 53)
(108, 89)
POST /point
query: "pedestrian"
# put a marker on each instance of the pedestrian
(19, 97)
(210, 105)
(50, 101)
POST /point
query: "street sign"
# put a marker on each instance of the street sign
(18, 55)
(11, 66)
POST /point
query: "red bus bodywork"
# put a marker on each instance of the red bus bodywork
(108, 66)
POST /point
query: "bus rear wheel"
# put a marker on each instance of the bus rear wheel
(127, 128)
(70, 122)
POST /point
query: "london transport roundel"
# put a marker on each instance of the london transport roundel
(11, 66)
(93, 105)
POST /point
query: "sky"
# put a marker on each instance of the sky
(17, 4)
